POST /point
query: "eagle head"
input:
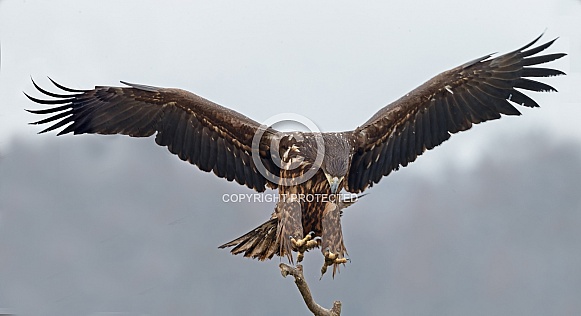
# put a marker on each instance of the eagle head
(336, 161)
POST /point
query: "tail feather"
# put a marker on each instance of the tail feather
(259, 243)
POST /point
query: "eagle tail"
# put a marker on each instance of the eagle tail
(260, 243)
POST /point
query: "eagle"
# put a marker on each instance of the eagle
(301, 164)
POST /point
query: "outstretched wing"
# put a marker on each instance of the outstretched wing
(206, 134)
(451, 102)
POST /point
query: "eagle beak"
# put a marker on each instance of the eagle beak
(334, 183)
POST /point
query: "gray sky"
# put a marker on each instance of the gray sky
(90, 225)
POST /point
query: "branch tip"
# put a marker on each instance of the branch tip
(316, 309)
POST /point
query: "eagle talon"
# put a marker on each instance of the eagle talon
(332, 258)
(305, 244)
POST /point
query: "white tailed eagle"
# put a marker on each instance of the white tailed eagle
(220, 140)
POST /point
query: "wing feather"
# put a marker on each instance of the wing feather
(230, 162)
(205, 150)
(475, 92)
(419, 134)
(388, 162)
(188, 139)
(206, 134)
(541, 72)
(378, 159)
(178, 142)
(220, 167)
(532, 85)
(405, 143)
(396, 151)
(197, 144)
(212, 159)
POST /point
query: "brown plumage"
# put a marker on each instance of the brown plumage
(450, 102)
(218, 139)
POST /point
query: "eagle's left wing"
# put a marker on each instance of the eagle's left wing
(199, 131)
(451, 102)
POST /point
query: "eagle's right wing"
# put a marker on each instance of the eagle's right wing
(206, 134)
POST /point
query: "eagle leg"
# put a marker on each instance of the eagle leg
(290, 229)
(303, 245)
(332, 245)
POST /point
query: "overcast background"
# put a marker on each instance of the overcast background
(486, 224)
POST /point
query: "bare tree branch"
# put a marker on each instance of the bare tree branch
(303, 287)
